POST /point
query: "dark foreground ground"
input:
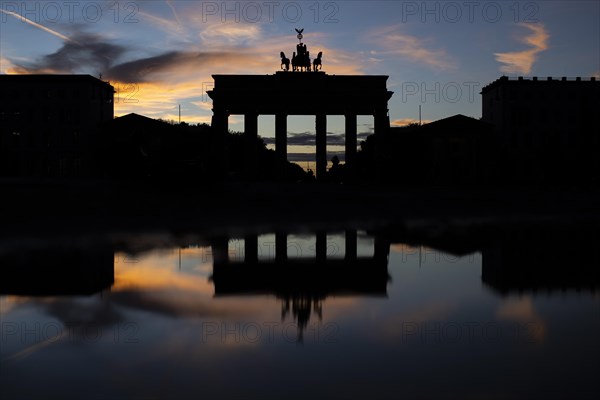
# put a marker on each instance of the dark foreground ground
(72, 211)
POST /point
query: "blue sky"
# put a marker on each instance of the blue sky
(438, 55)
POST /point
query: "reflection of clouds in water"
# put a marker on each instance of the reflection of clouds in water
(29, 350)
(426, 313)
(68, 310)
(202, 269)
(426, 294)
(174, 303)
(404, 248)
(10, 303)
(95, 310)
(521, 310)
(435, 310)
(35, 323)
(174, 283)
(154, 283)
(160, 270)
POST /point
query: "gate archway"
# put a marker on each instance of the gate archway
(307, 93)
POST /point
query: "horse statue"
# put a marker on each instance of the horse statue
(301, 58)
(285, 62)
(301, 62)
(317, 64)
(306, 61)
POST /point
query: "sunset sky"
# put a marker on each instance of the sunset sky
(159, 54)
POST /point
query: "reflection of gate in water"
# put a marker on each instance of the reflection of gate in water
(301, 283)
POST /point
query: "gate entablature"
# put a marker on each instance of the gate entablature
(300, 94)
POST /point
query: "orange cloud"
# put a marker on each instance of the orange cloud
(6, 65)
(396, 43)
(184, 81)
(521, 310)
(156, 271)
(521, 62)
(158, 100)
(408, 121)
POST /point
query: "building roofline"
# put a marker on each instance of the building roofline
(456, 117)
(534, 79)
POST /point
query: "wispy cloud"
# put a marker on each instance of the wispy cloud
(522, 61)
(393, 42)
(309, 138)
(230, 33)
(39, 26)
(311, 156)
(172, 7)
(96, 56)
(173, 28)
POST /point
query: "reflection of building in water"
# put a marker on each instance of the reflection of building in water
(57, 272)
(544, 260)
(302, 284)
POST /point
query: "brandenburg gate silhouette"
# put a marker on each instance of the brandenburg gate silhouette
(301, 91)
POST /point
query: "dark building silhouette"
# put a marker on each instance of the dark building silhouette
(546, 130)
(135, 146)
(450, 151)
(49, 124)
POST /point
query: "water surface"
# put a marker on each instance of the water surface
(331, 314)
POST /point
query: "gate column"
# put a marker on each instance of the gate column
(281, 142)
(220, 125)
(250, 137)
(321, 129)
(381, 128)
(350, 145)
